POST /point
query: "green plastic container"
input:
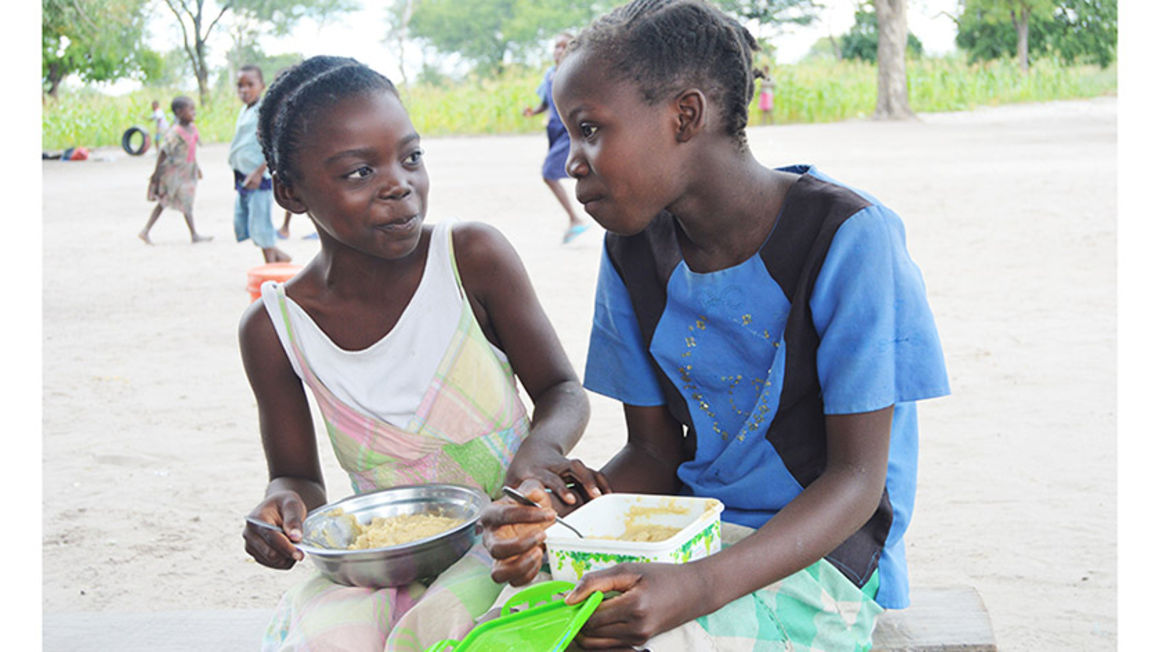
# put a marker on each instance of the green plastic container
(546, 627)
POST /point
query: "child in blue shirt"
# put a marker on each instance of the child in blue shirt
(255, 198)
(768, 336)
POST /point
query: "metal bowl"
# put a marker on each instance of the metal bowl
(326, 536)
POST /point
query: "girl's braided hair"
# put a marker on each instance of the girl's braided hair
(663, 46)
(298, 95)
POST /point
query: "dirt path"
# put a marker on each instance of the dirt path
(150, 446)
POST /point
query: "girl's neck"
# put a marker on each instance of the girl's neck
(729, 210)
(351, 274)
(185, 123)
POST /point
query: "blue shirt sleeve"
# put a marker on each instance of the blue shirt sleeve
(878, 342)
(618, 364)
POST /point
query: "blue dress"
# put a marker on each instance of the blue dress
(557, 135)
(829, 317)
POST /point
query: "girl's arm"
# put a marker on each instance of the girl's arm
(655, 598)
(156, 176)
(295, 485)
(648, 461)
(507, 309)
(529, 111)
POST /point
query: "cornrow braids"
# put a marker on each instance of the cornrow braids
(298, 95)
(663, 46)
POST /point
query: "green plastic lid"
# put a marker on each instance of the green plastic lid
(547, 627)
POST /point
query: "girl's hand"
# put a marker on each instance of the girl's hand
(653, 599)
(514, 534)
(252, 180)
(543, 463)
(276, 549)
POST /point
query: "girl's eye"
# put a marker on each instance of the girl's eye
(588, 129)
(361, 173)
(415, 157)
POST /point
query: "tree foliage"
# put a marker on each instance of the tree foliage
(861, 42)
(773, 12)
(98, 40)
(1082, 31)
(490, 33)
(198, 20)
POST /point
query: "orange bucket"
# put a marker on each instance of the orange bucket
(280, 272)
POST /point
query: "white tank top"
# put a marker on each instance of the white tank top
(388, 379)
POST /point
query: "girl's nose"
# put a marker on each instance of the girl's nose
(575, 165)
(394, 188)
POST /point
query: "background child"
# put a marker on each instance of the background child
(173, 183)
(553, 168)
(765, 96)
(767, 334)
(160, 124)
(410, 337)
(252, 218)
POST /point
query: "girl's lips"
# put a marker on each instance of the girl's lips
(400, 225)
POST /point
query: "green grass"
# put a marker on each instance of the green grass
(822, 91)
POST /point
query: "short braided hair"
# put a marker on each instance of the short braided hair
(663, 46)
(298, 95)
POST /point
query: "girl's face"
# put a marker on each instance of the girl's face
(623, 151)
(558, 49)
(250, 87)
(361, 176)
(185, 113)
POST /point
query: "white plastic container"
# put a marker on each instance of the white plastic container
(610, 515)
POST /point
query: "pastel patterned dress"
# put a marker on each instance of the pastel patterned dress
(178, 173)
(466, 430)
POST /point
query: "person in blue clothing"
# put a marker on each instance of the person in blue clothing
(255, 198)
(553, 169)
(768, 336)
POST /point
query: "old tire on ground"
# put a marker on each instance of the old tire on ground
(127, 141)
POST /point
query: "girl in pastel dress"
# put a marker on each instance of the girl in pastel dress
(410, 337)
(173, 183)
(768, 336)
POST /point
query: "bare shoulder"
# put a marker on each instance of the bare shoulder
(256, 331)
(476, 239)
(483, 253)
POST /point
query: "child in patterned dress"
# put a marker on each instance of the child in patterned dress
(173, 183)
(410, 337)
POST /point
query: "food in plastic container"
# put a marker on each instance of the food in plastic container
(687, 528)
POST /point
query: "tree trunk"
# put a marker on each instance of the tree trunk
(1022, 26)
(55, 77)
(202, 71)
(893, 100)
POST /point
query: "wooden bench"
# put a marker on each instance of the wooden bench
(951, 619)
(938, 620)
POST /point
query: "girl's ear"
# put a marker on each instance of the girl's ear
(690, 106)
(286, 197)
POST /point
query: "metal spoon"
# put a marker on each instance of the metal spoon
(520, 498)
(269, 526)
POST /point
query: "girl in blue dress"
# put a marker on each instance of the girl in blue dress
(553, 169)
(767, 334)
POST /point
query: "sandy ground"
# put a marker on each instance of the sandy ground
(150, 447)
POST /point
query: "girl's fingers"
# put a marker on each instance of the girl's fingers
(518, 571)
(618, 578)
(504, 547)
(293, 513)
(258, 547)
(508, 512)
(587, 478)
(557, 485)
